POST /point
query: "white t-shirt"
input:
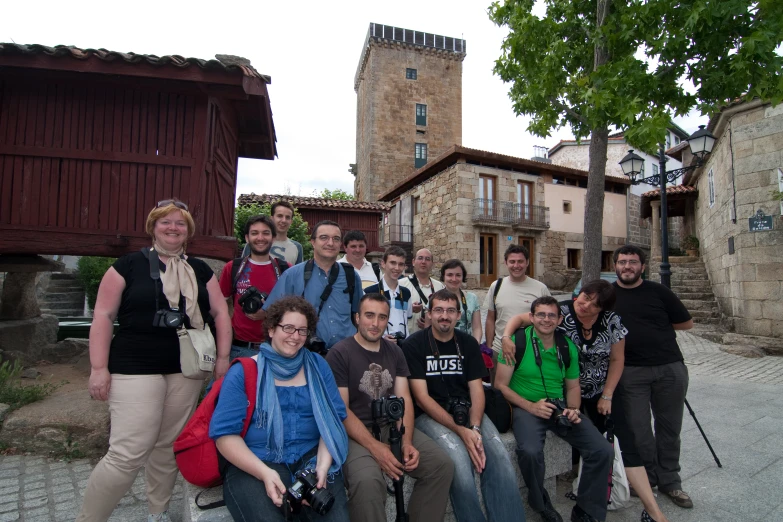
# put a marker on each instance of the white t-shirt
(288, 250)
(513, 299)
(366, 273)
(427, 290)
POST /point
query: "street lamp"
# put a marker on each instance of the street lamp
(701, 143)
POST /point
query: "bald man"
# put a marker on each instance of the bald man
(422, 286)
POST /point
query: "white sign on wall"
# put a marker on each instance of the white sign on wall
(780, 188)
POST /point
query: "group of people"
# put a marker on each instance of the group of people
(365, 372)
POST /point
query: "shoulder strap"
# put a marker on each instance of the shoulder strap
(251, 378)
(415, 282)
(236, 269)
(281, 265)
(562, 346)
(495, 293)
(350, 281)
(520, 341)
(376, 268)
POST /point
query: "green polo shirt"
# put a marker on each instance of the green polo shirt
(526, 380)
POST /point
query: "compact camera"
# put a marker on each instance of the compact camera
(305, 489)
(559, 419)
(252, 300)
(170, 318)
(459, 408)
(317, 345)
(391, 408)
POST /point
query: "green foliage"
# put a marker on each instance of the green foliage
(334, 194)
(91, 272)
(777, 195)
(297, 232)
(13, 393)
(690, 243)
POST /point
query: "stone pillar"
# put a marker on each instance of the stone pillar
(655, 230)
(19, 301)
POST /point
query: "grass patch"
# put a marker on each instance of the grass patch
(16, 395)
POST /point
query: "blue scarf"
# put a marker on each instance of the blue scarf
(271, 366)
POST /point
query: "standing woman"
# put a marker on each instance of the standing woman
(599, 335)
(453, 274)
(138, 370)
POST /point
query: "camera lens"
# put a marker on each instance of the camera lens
(321, 501)
(396, 409)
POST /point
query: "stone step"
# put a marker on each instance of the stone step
(64, 312)
(707, 320)
(698, 304)
(704, 314)
(689, 272)
(64, 275)
(675, 260)
(695, 295)
(691, 283)
(63, 284)
(61, 305)
(682, 276)
(76, 295)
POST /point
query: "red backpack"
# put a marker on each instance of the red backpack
(196, 453)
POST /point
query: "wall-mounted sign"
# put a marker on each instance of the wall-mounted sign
(759, 222)
(509, 238)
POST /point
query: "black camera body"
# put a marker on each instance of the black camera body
(317, 345)
(305, 489)
(252, 300)
(559, 419)
(399, 337)
(391, 408)
(459, 408)
(169, 318)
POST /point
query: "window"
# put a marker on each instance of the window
(606, 261)
(655, 169)
(566, 207)
(416, 206)
(676, 140)
(574, 258)
(668, 140)
(557, 180)
(487, 195)
(711, 187)
(421, 114)
(421, 155)
(411, 74)
(525, 199)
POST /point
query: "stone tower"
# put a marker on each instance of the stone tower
(409, 105)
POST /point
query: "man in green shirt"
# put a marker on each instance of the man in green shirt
(543, 388)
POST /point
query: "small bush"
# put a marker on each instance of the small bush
(13, 393)
(91, 271)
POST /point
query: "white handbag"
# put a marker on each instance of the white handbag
(197, 352)
(620, 495)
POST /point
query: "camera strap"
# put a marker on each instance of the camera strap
(333, 273)
(436, 354)
(387, 294)
(463, 309)
(539, 363)
(415, 282)
(152, 255)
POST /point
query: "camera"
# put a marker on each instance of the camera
(317, 345)
(399, 337)
(305, 489)
(171, 318)
(459, 408)
(559, 419)
(391, 408)
(252, 300)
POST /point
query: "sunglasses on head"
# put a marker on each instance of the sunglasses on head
(175, 202)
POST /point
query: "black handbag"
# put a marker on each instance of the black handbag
(497, 409)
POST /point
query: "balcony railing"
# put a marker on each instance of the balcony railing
(396, 234)
(506, 213)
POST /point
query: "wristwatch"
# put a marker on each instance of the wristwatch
(476, 427)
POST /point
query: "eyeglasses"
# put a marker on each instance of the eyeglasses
(423, 258)
(542, 315)
(438, 310)
(325, 239)
(177, 203)
(630, 262)
(289, 329)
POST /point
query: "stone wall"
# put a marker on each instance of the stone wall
(638, 228)
(746, 158)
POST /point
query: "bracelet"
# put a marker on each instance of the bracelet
(504, 336)
(607, 397)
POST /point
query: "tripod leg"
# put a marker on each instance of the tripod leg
(690, 410)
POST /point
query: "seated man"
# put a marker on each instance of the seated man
(446, 371)
(543, 389)
(367, 368)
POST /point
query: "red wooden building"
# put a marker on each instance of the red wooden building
(350, 215)
(91, 139)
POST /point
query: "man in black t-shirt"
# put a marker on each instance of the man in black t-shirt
(446, 369)
(655, 374)
(368, 367)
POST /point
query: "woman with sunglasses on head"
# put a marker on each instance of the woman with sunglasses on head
(453, 275)
(297, 423)
(599, 334)
(138, 370)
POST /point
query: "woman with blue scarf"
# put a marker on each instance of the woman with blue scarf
(297, 423)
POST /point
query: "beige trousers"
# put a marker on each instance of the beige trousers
(147, 413)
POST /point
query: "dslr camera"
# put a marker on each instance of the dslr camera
(168, 318)
(399, 337)
(561, 423)
(305, 488)
(391, 408)
(459, 408)
(252, 300)
(316, 345)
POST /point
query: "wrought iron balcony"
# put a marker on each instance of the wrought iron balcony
(396, 234)
(505, 213)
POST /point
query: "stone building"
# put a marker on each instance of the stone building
(471, 204)
(409, 105)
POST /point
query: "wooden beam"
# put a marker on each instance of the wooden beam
(29, 263)
(95, 155)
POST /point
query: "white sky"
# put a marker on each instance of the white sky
(311, 50)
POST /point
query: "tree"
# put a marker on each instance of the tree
(334, 194)
(297, 232)
(593, 65)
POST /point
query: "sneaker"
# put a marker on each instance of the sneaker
(680, 498)
(159, 517)
(550, 515)
(579, 515)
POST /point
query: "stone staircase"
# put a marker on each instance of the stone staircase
(64, 296)
(691, 284)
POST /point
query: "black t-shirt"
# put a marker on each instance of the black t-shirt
(648, 312)
(447, 375)
(139, 348)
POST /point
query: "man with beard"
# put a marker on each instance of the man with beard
(256, 270)
(446, 382)
(655, 374)
(368, 367)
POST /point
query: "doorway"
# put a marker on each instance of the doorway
(530, 244)
(487, 259)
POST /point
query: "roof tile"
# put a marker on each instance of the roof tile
(677, 189)
(310, 202)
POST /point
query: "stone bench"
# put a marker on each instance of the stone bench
(557, 455)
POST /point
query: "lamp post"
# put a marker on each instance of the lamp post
(701, 143)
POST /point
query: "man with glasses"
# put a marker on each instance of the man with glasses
(543, 389)
(655, 374)
(422, 285)
(446, 382)
(398, 297)
(325, 284)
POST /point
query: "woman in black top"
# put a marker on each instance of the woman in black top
(138, 370)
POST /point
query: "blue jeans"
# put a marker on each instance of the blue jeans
(498, 480)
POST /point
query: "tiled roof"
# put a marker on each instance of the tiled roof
(224, 62)
(676, 189)
(306, 202)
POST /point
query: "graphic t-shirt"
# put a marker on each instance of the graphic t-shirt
(513, 299)
(260, 275)
(288, 250)
(367, 375)
(447, 368)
